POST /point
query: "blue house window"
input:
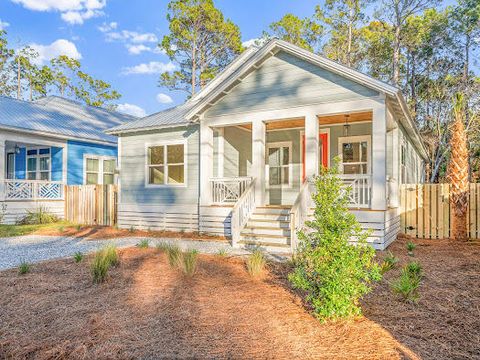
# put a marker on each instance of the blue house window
(38, 164)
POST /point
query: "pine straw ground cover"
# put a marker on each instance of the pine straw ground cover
(146, 309)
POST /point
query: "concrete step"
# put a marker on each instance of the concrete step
(265, 246)
(265, 231)
(272, 239)
(272, 210)
(264, 216)
(268, 223)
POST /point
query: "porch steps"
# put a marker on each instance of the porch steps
(269, 229)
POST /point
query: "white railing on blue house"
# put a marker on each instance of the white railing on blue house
(27, 190)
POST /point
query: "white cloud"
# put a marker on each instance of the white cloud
(3, 24)
(138, 49)
(164, 99)
(255, 41)
(72, 11)
(58, 47)
(131, 36)
(153, 67)
(131, 110)
(108, 27)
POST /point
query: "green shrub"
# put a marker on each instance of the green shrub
(24, 268)
(78, 257)
(222, 252)
(61, 229)
(189, 262)
(334, 273)
(39, 216)
(103, 260)
(143, 244)
(256, 263)
(410, 247)
(389, 263)
(408, 283)
(174, 255)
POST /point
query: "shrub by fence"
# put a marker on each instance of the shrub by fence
(426, 210)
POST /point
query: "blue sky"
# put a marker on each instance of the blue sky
(116, 38)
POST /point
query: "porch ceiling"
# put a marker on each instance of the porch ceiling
(323, 120)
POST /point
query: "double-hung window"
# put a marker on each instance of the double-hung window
(166, 164)
(38, 164)
(279, 164)
(355, 154)
(99, 170)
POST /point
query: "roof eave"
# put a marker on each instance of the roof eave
(146, 128)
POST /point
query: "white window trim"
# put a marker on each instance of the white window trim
(290, 165)
(185, 165)
(38, 157)
(360, 138)
(100, 159)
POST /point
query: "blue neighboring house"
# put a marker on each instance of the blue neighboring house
(51, 142)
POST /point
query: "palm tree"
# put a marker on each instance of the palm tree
(457, 171)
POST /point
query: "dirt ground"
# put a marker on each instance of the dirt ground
(148, 310)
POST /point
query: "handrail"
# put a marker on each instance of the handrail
(299, 212)
(227, 190)
(241, 212)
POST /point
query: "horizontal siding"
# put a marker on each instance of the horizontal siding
(215, 221)
(133, 162)
(16, 210)
(286, 81)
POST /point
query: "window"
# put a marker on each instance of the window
(38, 164)
(355, 154)
(279, 160)
(99, 170)
(166, 164)
(10, 165)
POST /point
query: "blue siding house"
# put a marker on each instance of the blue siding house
(49, 143)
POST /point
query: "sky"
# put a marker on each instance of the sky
(115, 40)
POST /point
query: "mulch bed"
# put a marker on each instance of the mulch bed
(148, 310)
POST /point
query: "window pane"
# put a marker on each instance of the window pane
(44, 151)
(109, 166)
(108, 179)
(92, 178)
(32, 176)
(44, 175)
(351, 152)
(352, 169)
(174, 154)
(92, 165)
(157, 175)
(364, 151)
(31, 152)
(286, 156)
(274, 174)
(175, 174)
(44, 163)
(274, 156)
(32, 164)
(285, 175)
(155, 155)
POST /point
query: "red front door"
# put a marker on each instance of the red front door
(323, 137)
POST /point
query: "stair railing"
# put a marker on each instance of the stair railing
(242, 211)
(299, 212)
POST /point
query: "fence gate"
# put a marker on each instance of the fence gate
(91, 204)
(426, 210)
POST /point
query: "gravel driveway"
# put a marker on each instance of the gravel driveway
(33, 248)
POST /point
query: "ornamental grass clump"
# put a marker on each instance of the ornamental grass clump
(78, 257)
(24, 268)
(143, 244)
(189, 262)
(256, 263)
(333, 273)
(174, 255)
(410, 247)
(407, 285)
(39, 216)
(103, 260)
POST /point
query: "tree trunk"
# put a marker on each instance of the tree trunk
(194, 67)
(349, 40)
(457, 171)
(19, 85)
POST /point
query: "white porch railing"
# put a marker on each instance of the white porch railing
(33, 190)
(361, 189)
(241, 211)
(228, 190)
(299, 211)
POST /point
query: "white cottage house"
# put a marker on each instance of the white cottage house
(235, 159)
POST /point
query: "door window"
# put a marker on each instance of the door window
(355, 155)
(279, 160)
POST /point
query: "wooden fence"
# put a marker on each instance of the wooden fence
(425, 210)
(91, 204)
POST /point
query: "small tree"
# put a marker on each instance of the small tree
(334, 273)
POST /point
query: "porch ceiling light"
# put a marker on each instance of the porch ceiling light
(17, 149)
(346, 127)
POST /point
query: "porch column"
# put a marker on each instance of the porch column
(379, 164)
(3, 166)
(206, 163)
(395, 185)
(258, 160)
(221, 151)
(312, 131)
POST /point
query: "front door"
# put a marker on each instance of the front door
(324, 154)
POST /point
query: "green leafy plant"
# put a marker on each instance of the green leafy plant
(389, 263)
(189, 262)
(407, 285)
(24, 268)
(40, 215)
(410, 247)
(78, 257)
(78, 227)
(334, 273)
(174, 255)
(256, 263)
(222, 252)
(143, 244)
(103, 260)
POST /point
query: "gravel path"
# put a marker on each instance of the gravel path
(33, 248)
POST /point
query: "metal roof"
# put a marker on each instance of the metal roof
(60, 117)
